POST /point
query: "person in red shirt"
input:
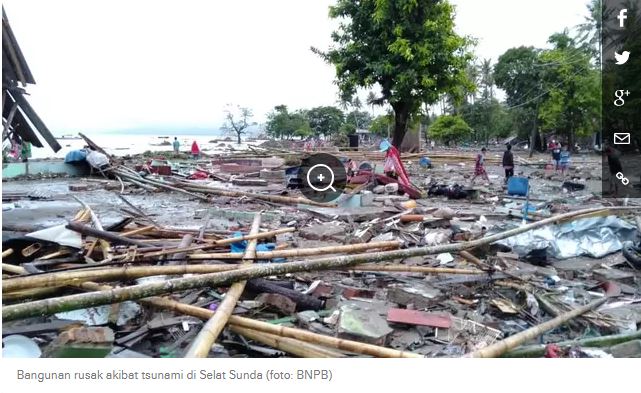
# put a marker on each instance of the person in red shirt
(479, 167)
(195, 150)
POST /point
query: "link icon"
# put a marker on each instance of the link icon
(623, 179)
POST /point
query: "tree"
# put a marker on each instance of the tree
(325, 120)
(449, 128)
(408, 47)
(283, 124)
(381, 124)
(371, 100)
(518, 72)
(589, 32)
(237, 120)
(571, 105)
(486, 79)
(359, 119)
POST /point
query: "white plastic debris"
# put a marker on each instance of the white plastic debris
(19, 346)
(445, 258)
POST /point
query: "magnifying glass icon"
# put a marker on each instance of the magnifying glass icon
(320, 177)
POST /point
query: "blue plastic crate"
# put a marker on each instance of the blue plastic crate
(518, 186)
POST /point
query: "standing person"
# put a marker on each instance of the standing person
(508, 162)
(195, 150)
(393, 166)
(556, 155)
(176, 145)
(564, 159)
(614, 164)
(25, 151)
(479, 166)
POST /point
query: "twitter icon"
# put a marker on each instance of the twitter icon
(622, 58)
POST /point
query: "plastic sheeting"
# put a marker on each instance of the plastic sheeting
(59, 234)
(595, 237)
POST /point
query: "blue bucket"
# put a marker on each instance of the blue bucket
(517, 186)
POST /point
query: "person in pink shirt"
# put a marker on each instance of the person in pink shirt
(393, 165)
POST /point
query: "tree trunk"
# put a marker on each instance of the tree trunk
(238, 135)
(401, 116)
(534, 133)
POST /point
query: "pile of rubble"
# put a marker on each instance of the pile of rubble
(218, 257)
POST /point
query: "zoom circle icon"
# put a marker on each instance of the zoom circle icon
(322, 177)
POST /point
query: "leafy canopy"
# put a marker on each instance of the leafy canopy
(449, 128)
(407, 47)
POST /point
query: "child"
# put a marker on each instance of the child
(508, 162)
(479, 166)
(564, 159)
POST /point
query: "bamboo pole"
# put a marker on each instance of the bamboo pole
(269, 198)
(220, 242)
(592, 342)
(283, 331)
(193, 189)
(184, 243)
(301, 252)
(138, 231)
(286, 344)
(71, 302)
(58, 279)
(290, 345)
(201, 345)
(104, 245)
(412, 269)
(499, 348)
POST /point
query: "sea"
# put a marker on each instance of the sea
(126, 143)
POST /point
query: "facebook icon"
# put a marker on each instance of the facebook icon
(623, 15)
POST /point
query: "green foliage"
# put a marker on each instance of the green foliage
(488, 118)
(358, 119)
(283, 124)
(449, 128)
(348, 128)
(381, 125)
(325, 120)
(408, 47)
(572, 104)
(518, 73)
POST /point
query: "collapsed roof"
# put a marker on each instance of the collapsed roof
(17, 113)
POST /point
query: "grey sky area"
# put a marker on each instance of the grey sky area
(112, 65)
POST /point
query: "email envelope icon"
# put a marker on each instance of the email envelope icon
(621, 138)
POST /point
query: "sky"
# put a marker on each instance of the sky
(140, 64)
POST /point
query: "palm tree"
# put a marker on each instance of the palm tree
(371, 101)
(589, 32)
(356, 103)
(472, 72)
(487, 78)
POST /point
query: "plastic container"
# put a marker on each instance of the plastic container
(517, 186)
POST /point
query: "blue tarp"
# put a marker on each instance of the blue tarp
(75, 156)
(242, 245)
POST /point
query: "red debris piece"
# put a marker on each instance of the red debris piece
(350, 293)
(413, 317)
